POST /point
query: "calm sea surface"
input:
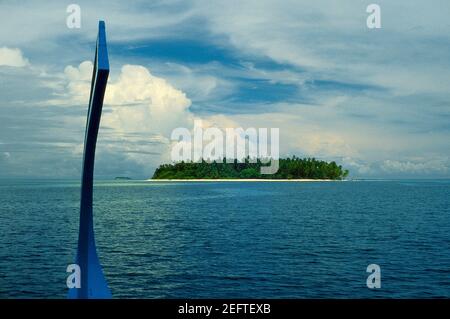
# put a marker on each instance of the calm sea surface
(232, 239)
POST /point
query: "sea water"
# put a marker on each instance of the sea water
(231, 239)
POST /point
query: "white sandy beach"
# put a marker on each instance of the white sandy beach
(243, 180)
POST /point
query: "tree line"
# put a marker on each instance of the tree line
(289, 168)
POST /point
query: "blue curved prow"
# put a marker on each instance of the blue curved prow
(93, 282)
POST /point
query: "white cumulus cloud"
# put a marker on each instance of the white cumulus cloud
(143, 102)
(12, 57)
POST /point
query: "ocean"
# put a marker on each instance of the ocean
(231, 239)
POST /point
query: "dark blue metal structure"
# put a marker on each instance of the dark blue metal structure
(93, 282)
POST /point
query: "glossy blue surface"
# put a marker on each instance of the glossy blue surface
(93, 283)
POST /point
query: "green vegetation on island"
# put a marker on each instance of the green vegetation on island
(289, 168)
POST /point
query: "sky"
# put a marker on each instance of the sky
(376, 101)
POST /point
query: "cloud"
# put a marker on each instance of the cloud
(32, 23)
(140, 111)
(205, 82)
(358, 167)
(436, 166)
(375, 99)
(81, 73)
(329, 40)
(144, 102)
(135, 101)
(12, 57)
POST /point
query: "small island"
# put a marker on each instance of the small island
(289, 169)
(122, 178)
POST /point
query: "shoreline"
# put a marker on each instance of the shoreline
(245, 180)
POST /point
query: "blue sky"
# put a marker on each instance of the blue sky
(376, 101)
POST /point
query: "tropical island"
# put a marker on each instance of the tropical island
(289, 168)
(122, 178)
